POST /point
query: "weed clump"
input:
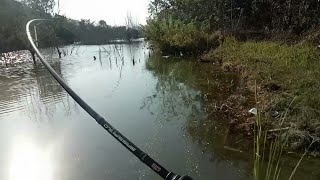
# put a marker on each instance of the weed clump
(175, 37)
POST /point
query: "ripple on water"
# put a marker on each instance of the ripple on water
(25, 84)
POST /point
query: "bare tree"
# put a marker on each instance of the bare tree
(129, 21)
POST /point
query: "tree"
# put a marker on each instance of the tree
(41, 6)
(102, 23)
(13, 17)
(279, 15)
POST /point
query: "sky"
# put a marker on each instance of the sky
(113, 12)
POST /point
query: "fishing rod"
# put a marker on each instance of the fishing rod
(143, 157)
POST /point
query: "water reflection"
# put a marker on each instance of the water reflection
(180, 91)
(173, 100)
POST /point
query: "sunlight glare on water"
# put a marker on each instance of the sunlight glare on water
(30, 162)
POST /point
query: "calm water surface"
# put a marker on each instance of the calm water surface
(44, 134)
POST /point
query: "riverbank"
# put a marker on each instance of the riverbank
(286, 81)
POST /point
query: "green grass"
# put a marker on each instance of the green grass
(294, 69)
(268, 154)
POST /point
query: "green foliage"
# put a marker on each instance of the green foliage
(269, 156)
(172, 36)
(41, 6)
(278, 15)
(188, 18)
(13, 17)
(185, 23)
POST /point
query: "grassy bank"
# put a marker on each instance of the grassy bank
(288, 84)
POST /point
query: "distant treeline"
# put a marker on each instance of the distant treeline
(88, 32)
(61, 30)
(188, 24)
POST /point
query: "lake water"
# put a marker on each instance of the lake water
(44, 134)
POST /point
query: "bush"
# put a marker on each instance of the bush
(174, 36)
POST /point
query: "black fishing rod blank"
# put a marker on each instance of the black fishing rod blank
(145, 158)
